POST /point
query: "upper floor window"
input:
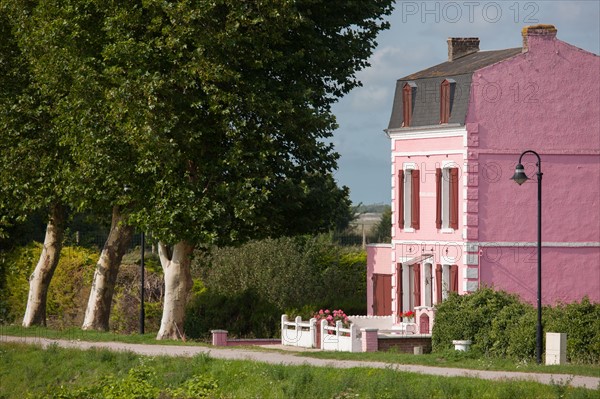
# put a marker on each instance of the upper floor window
(446, 188)
(408, 99)
(446, 99)
(408, 197)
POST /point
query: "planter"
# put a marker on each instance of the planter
(462, 345)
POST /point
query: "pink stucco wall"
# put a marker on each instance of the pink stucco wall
(427, 165)
(546, 100)
(567, 273)
(379, 259)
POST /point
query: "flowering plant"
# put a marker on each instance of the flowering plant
(332, 317)
(409, 315)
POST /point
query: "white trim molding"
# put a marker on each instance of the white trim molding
(423, 132)
(427, 153)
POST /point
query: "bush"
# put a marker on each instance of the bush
(499, 324)
(581, 322)
(124, 316)
(244, 314)
(469, 317)
(68, 291)
(304, 273)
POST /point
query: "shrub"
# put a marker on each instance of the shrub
(512, 330)
(303, 273)
(581, 322)
(68, 291)
(469, 317)
(499, 324)
(243, 314)
(124, 316)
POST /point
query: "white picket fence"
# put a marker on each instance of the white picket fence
(298, 333)
(337, 338)
(334, 338)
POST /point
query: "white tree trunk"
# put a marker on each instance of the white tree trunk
(39, 281)
(178, 285)
(97, 313)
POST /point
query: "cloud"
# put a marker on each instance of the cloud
(415, 42)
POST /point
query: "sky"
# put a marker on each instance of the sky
(417, 40)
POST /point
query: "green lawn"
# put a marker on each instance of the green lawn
(26, 371)
(445, 359)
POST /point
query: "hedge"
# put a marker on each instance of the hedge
(501, 325)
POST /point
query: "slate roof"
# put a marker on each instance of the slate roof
(426, 104)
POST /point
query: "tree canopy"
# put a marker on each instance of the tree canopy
(211, 111)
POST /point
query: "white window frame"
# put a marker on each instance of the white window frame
(408, 167)
(446, 166)
(427, 285)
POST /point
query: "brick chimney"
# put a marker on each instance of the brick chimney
(547, 31)
(461, 46)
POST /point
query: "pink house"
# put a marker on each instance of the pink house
(456, 132)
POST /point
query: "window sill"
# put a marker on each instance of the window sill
(447, 230)
(408, 230)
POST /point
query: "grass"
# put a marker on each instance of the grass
(27, 371)
(76, 333)
(468, 360)
(464, 360)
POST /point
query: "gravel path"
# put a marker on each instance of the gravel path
(296, 358)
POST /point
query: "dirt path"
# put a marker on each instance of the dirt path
(296, 358)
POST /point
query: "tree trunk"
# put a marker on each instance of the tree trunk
(178, 285)
(39, 281)
(97, 313)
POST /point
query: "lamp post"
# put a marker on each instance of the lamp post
(520, 177)
(142, 312)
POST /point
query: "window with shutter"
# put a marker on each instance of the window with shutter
(416, 285)
(446, 192)
(445, 102)
(407, 103)
(454, 278)
(401, 199)
(415, 202)
(409, 198)
(438, 283)
(399, 291)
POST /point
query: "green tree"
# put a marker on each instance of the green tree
(383, 229)
(211, 112)
(233, 101)
(64, 107)
(33, 162)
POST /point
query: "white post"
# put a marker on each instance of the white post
(284, 320)
(556, 348)
(323, 332)
(313, 332)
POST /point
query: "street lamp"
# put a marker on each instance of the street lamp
(520, 177)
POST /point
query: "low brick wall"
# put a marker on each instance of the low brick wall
(404, 344)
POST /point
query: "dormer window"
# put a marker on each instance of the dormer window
(408, 99)
(446, 99)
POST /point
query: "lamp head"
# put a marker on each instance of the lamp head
(520, 177)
